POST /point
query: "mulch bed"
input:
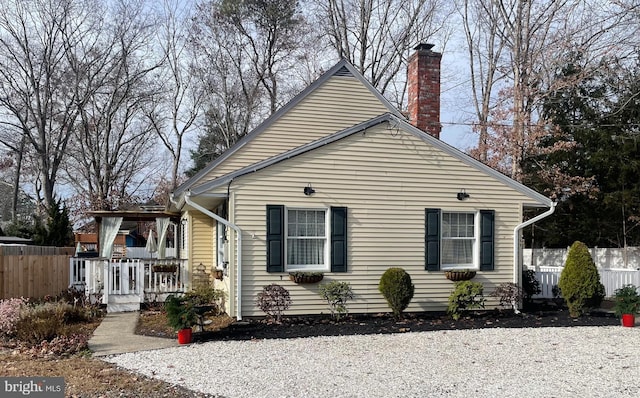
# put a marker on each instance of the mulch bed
(294, 327)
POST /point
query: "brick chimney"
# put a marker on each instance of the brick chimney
(423, 75)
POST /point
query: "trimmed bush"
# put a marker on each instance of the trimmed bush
(274, 300)
(396, 287)
(42, 322)
(466, 295)
(336, 294)
(580, 282)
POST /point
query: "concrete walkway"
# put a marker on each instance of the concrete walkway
(116, 335)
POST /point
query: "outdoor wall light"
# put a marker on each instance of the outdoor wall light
(462, 195)
(308, 190)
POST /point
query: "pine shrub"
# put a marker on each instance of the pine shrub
(274, 300)
(466, 295)
(396, 287)
(580, 282)
(530, 285)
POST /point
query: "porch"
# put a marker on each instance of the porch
(124, 283)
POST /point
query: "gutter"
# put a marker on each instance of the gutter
(187, 199)
(516, 239)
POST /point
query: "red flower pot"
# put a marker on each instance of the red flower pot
(184, 336)
(628, 320)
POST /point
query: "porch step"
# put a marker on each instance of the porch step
(123, 303)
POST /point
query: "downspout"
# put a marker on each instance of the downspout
(229, 224)
(516, 239)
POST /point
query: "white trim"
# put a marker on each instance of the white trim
(475, 248)
(327, 235)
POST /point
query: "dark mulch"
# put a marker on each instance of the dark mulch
(540, 315)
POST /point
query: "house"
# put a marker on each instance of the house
(339, 181)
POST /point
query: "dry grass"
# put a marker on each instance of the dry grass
(88, 377)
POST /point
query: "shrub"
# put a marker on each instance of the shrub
(466, 295)
(530, 285)
(10, 310)
(41, 322)
(58, 346)
(206, 295)
(336, 294)
(181, 312)
(580, 282)
(274, 300)
(396, 287)
(509, 294)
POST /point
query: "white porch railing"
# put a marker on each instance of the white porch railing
(612, 279)
(127, 276)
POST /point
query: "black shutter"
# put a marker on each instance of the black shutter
(487, 228)
(432, 239)
(338, 247)
(275, 238)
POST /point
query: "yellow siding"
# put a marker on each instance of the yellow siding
(201, 238)
(340, 103)
(386, 178)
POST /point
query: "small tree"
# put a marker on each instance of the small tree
(580, 282)
(274, 300)
(336, 294)
(396, 287)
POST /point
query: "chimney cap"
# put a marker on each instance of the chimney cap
(424, 47)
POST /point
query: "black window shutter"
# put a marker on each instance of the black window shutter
(338, 239)
(487, 233)
(432, 239)
(275, 238)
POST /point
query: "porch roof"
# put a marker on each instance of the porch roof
(135, 215)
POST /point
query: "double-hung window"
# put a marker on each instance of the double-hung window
(458, 240)
(306, 244)
(306, 239)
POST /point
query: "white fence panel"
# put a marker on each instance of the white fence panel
(612, 279)
(605, 258)
(141, 252)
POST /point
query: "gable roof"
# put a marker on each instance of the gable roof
(397, 122)
(342, 68)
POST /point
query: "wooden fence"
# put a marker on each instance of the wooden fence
(33, 271)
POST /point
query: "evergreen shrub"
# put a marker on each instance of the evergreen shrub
(396, 287)
(466, 295)
(580, 281)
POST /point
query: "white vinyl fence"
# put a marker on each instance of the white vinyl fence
(612, 279)
(605, 258)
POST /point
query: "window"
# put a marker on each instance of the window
(458, 240)
(306, 239)
(306, 245)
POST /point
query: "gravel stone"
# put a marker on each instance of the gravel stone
(542, 362)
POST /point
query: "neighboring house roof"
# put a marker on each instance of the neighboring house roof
(342, 68)
(397, 122)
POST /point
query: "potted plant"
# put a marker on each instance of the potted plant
(459, 274)
(627, 303)
(181, 315)
(305, 277)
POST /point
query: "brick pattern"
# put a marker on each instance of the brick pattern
(423, 75)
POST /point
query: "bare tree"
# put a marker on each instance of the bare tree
(113, 139)
(37, 88)
(250, 57)
(535, 39)
(376, 36)
(178, 101)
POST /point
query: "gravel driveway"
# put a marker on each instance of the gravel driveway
(536, 362)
